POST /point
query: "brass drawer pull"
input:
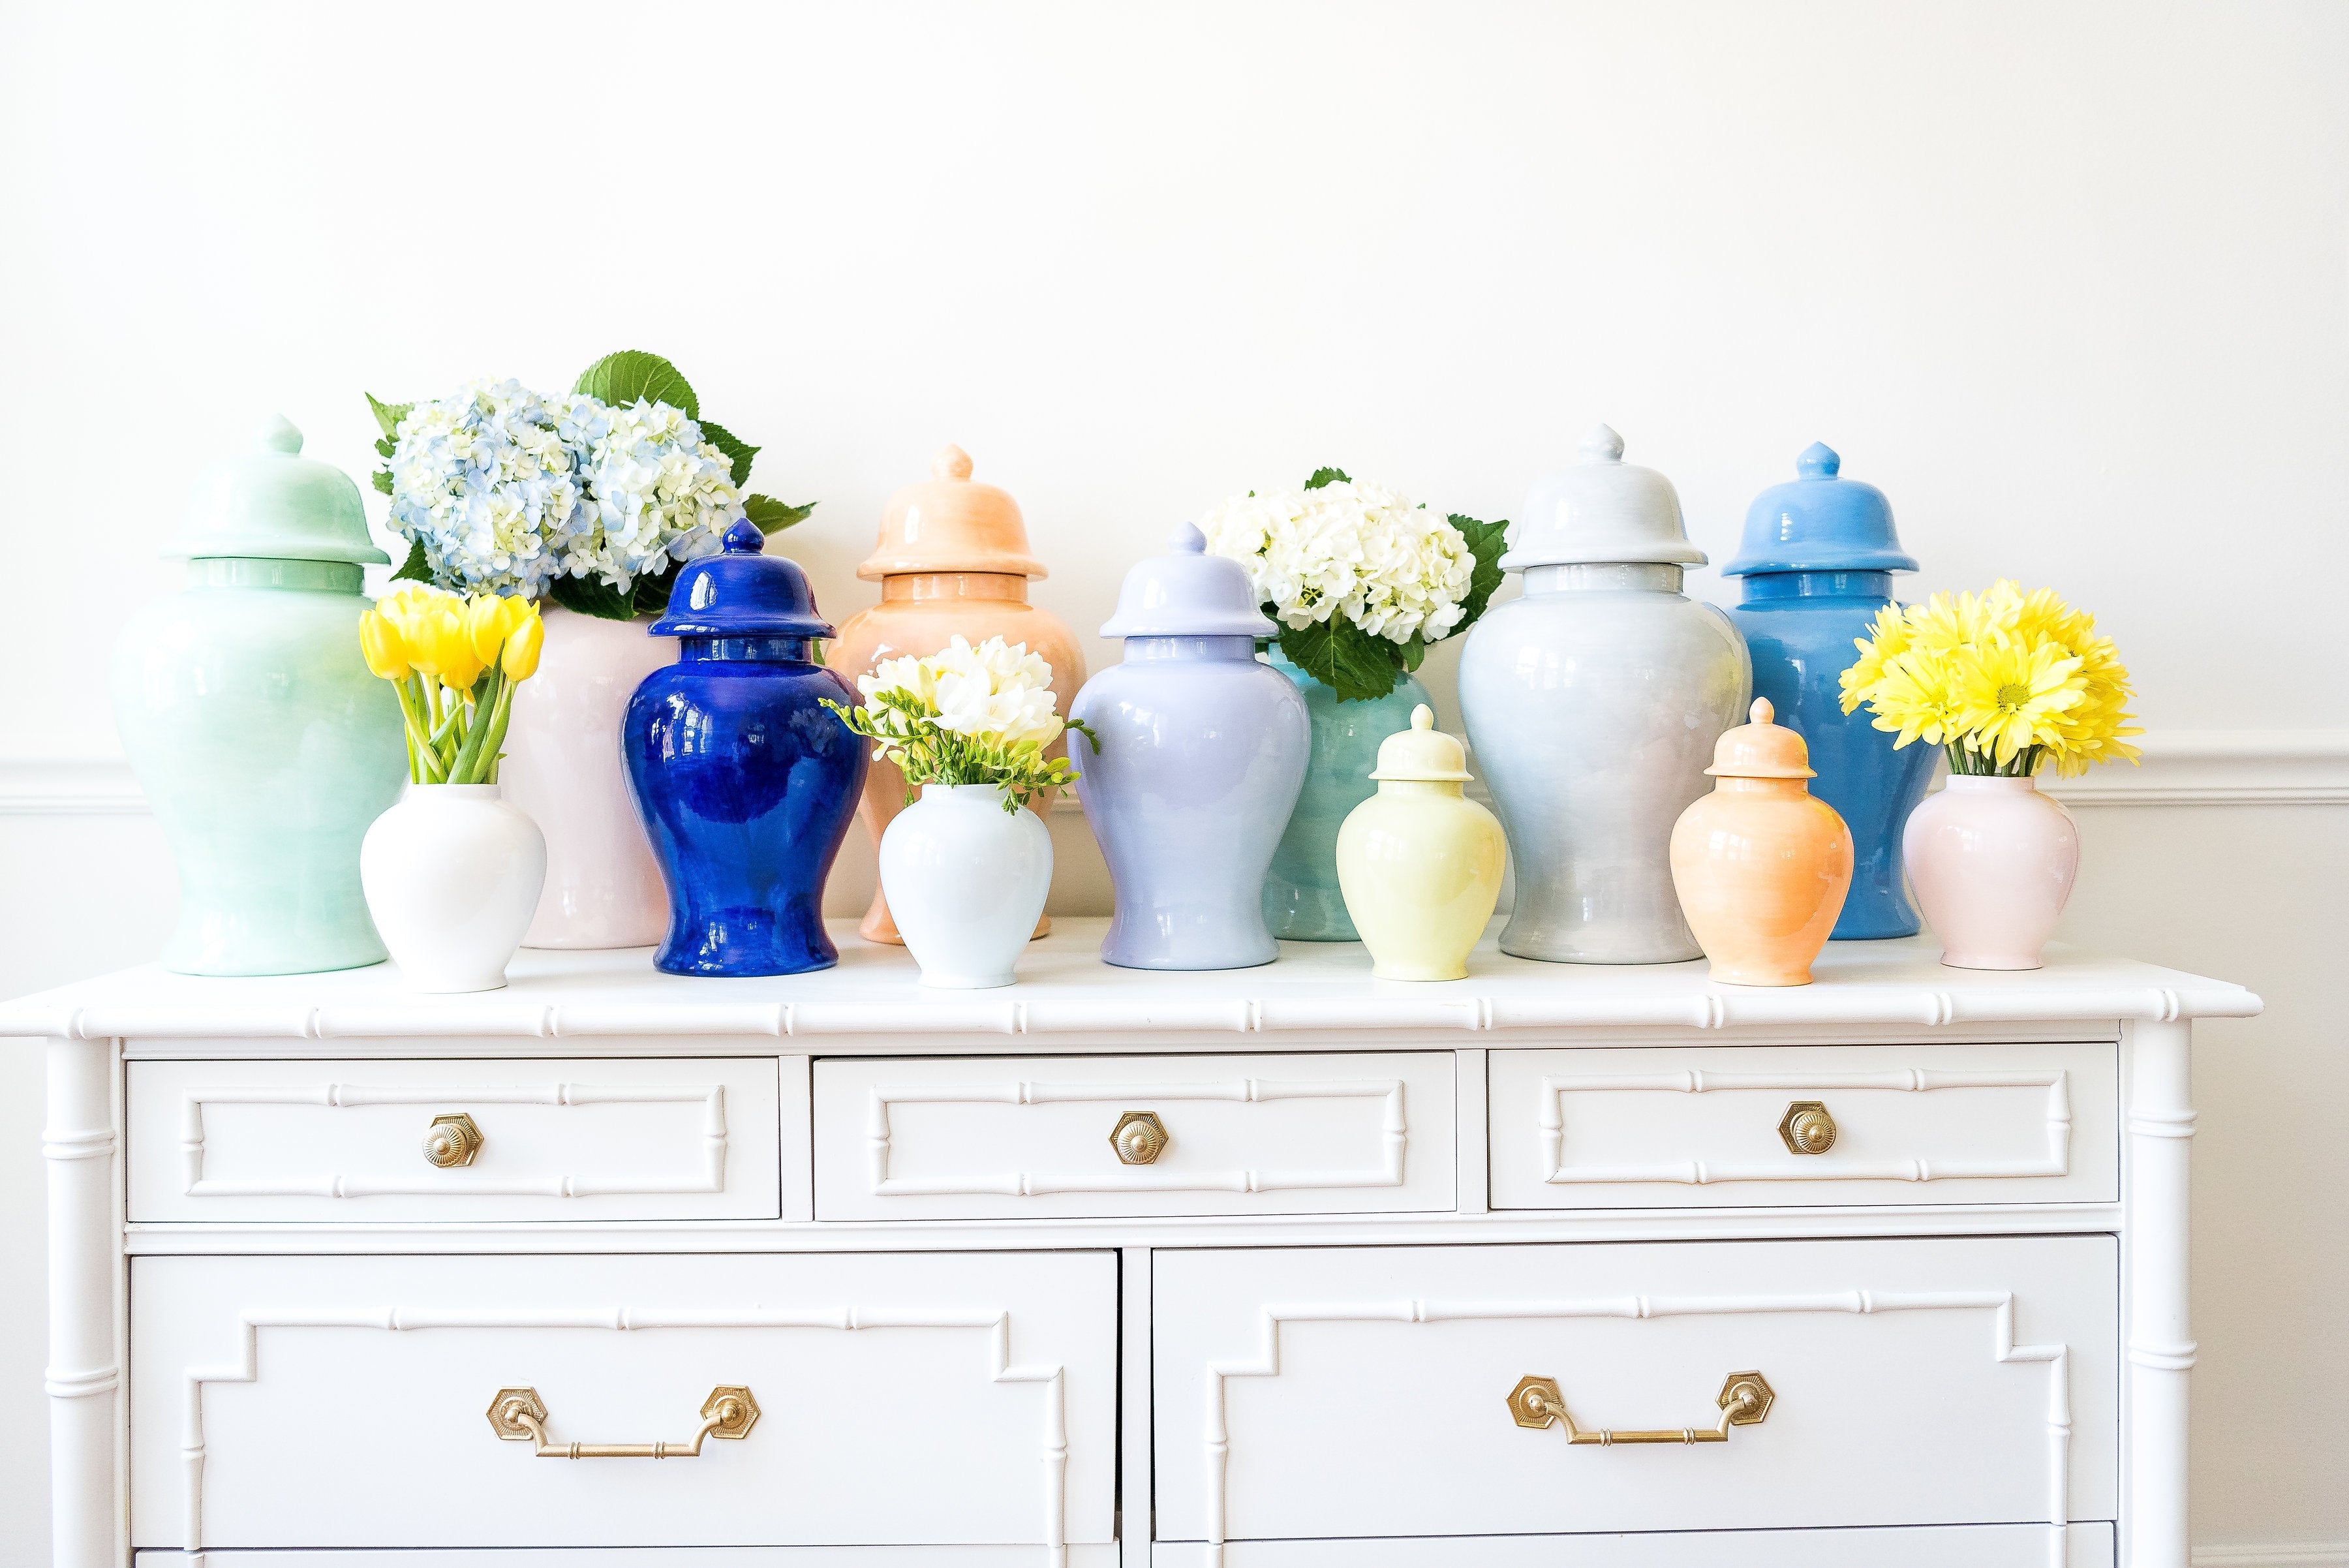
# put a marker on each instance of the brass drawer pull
(1807, 1127)
(451, 1140)
(1139, 1137)
(519, 1415)
(1746, 1398)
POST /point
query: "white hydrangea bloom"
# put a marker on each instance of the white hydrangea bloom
(1353, 550)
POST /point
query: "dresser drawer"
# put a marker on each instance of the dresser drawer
(550, 1140)
(1353, 1392)
(965, 1399)
(1019, 1137)
(1659, 1128)
(1911, 1546)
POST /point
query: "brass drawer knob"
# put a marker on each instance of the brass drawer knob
(519, 1415)
(1807, 1127)
(1140, 1138)
(451, 1140)
(1745, 1399)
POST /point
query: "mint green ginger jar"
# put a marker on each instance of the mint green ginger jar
(252, 724)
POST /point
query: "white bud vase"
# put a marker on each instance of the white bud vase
(1991, 861)
(452, 874)
(965, 881)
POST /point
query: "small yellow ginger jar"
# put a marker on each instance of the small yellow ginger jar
(1419, 863)
(1761, 864)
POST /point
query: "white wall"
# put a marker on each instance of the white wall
(2071, 283)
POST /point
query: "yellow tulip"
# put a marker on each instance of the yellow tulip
(439, 645)
(381, 645)
(490, 619)
(520, 658)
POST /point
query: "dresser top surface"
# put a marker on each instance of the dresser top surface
(1064, 989)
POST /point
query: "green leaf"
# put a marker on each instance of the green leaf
(1414, 654)
(387, 417)
(1486, 542)
(417, 569)
(1344, 658)
(651, 590)
(383, 480)
(1322, 476)
(592, 595)
(768, 514)
(620, 379)
(738, 451)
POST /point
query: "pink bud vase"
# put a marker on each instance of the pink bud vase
(1991, 861)
(562, 768)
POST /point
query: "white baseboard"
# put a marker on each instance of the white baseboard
(2181, 767)
(2302, 1554)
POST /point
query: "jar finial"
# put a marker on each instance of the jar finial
(1422, 717)
(744, 538)
(1761, 712)
(280, 434)
(1601, 444)
(1818, 460)
(1187, 541)
(952, 462)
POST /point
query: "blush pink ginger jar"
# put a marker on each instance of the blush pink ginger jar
(952, 557)
(1991, 862)
(564, 768)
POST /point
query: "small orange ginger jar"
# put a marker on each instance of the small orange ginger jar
(952, 557)
(1761, 864)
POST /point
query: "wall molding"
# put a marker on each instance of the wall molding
(2301, 1554)
(2181, 767)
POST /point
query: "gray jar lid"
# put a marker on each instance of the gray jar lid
(1601, 511)
(1188, 593)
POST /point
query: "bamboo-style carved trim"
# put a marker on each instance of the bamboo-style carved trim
(2004, 1350)
(1115, 1178)
(1697, 1172)
(441, 1183)
(1054, 1450)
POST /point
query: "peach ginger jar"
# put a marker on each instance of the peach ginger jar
(1761, 865)
(1419, 863)
(952, 557)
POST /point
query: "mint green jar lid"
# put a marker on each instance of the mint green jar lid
(273, 503)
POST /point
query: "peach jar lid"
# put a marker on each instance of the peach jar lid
(1762, 750)
(949, 522)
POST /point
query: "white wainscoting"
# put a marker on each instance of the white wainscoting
(2227, 850)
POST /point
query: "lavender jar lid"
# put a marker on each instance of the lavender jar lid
(1187, 593)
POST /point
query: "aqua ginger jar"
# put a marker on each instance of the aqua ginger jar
(1421, 864)
(1593, 703)
(252, 724)
(746, 783)
(1201, 751)
(1303, 899)
(1816, 561)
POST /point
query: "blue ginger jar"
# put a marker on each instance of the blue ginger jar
(746, 784)
(1201, 752)
(1817, 561)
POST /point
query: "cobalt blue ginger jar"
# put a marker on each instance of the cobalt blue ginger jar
(1817, 559)
(1202, 753)
(746, 784)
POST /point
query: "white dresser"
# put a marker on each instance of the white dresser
(1274, 1268)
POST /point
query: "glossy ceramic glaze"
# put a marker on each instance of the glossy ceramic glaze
(1816, 561)
(1420, 864)
(1201, 752)
(970, 879)
(1593, 703)
(1992, 861)
(951, 557)
(745, 783)
(1303, 899)
(563, 765)
(1761, 865)
(254, 726)
(452, 875)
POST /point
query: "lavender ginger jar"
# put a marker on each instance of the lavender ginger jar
(1201, 752)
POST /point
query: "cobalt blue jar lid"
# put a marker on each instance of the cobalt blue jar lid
(742, 592)
(1187, 593)
(1820, 522)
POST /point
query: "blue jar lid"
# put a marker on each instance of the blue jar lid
(1187, 593)
(742, 592)
(1819, 523)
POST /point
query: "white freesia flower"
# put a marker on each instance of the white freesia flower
(965, 715)
(1353, 550)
